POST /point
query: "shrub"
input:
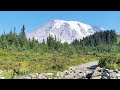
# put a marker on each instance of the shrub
(110, 61)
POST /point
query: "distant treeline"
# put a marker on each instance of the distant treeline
(105, 37)
(104, 41)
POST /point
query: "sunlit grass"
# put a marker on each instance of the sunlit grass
(39, 63)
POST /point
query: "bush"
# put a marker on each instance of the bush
(57, 67)
(110, 61)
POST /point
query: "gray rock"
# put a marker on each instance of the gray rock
(81, 76)
(55, 77)
(28, 78)
(114, 78)
(25, 77)
(33, 75)
(50, 74)
(105, 73)
(113, 75)
(118, 72)
(104, 77)
(88, 71)
(110, 71)
(42, 76)
(65, 73)
(97, 77)
(60, 74)
(96, 73)
(21, 77)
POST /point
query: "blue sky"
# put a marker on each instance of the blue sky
(34, 19)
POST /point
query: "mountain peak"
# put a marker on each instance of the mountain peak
(65, 31)
(98, 28)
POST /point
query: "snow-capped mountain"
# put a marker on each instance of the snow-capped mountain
(98, 28)
(65, 31)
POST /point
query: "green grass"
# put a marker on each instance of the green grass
(118, 39)
(39, 63)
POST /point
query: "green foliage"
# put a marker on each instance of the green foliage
(105, 37)
(100, 42)
(111, 61)
(118, 39)
(32, 62)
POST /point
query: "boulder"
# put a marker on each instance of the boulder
(105, 73)
(60, 74)
(113, 75)
(96, 73)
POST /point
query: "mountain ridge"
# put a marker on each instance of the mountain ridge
(65, 31)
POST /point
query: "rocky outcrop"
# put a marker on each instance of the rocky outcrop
(77, 73)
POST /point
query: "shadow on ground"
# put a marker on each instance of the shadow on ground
(92, 67)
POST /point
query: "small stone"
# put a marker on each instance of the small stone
(42, 76)
(104, 77)
(110, 71)
(36, 74)
(59, 74)
(88, 72)
(97, 77)
(33, 75)
(55, 77)
(25, 77)
(49, 74)
(28, 78)
(113, 78)
(113, 75)
(66, 72)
